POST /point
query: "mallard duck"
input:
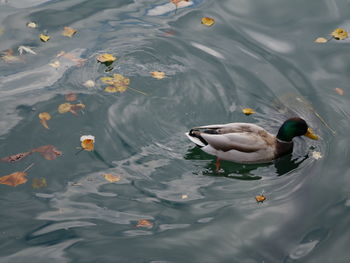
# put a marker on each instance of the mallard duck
(247, 142)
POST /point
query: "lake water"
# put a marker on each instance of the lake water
(258, 54)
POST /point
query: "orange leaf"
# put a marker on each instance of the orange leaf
(49, 152)
(144, 223)
(260, 198)
(111, 178)
(15, 157)
(14, 179)
(44, 117)
(158, 74)
(87, 142)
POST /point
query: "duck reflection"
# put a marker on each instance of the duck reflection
(278, 167)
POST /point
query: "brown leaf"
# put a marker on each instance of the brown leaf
(70, 97)
(16, 157)
(68, 31)
(14, 179)
(339, 91)
(49, 152)
(76, 107)
(144, 223)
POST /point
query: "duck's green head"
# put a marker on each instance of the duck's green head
(295, 127)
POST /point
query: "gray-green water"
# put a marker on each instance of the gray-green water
(259, 54)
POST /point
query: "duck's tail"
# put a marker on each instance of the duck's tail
(195, 137)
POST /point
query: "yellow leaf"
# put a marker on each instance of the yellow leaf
(64, 108)
(87, 142)
(208, 21)
(111, 178)
(248, 111)
(14, 179)
(32, 25)
(339, 34)
(103, 58)
(55, 64)
(339, 91)
(158, 74)
(144, 223)
(321, 40)
(107, 80)
(113, 89)
(68, 31)
(44, 117)
(44, 38)
(260, 198)
(39, 183)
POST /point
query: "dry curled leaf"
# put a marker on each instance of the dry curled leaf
(340, 34)
(87, 142)
(208, 21)
(158, 74)
(106, 58)
(14, 179)
(248, 111)
(44, 38)
(16, 157)
(111, 178)
(39, 183)
(74, 108)
(339, 91)
(70, 97)
(68, 31)
(49, 152)
(44, 117)
(32, 25)
(144, 223)
(260, 198)
(321, 40)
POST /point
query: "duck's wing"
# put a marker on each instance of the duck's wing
(243, 137)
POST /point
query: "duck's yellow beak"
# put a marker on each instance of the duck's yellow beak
(310, 133)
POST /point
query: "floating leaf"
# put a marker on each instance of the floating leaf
(16, 157)
(70, 97)
(106, 58)
(111, 178)
(22, 49)
(55, 64)
(9, 57)
(184, 196)
(321, 40)
(316, 155)
(64, 108)
(260, 198)
(49, 152)
(32, 25)
(340, 34)
(89, 83)
(158, 74)
(14, 179)
(248, 111)
(208, 21)
(87, 142)
(68, 31)
(144, 223)
(44, 117)
(44, 37)
(74, 108)
(112, 89)
(39, 183)
(339, 91)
